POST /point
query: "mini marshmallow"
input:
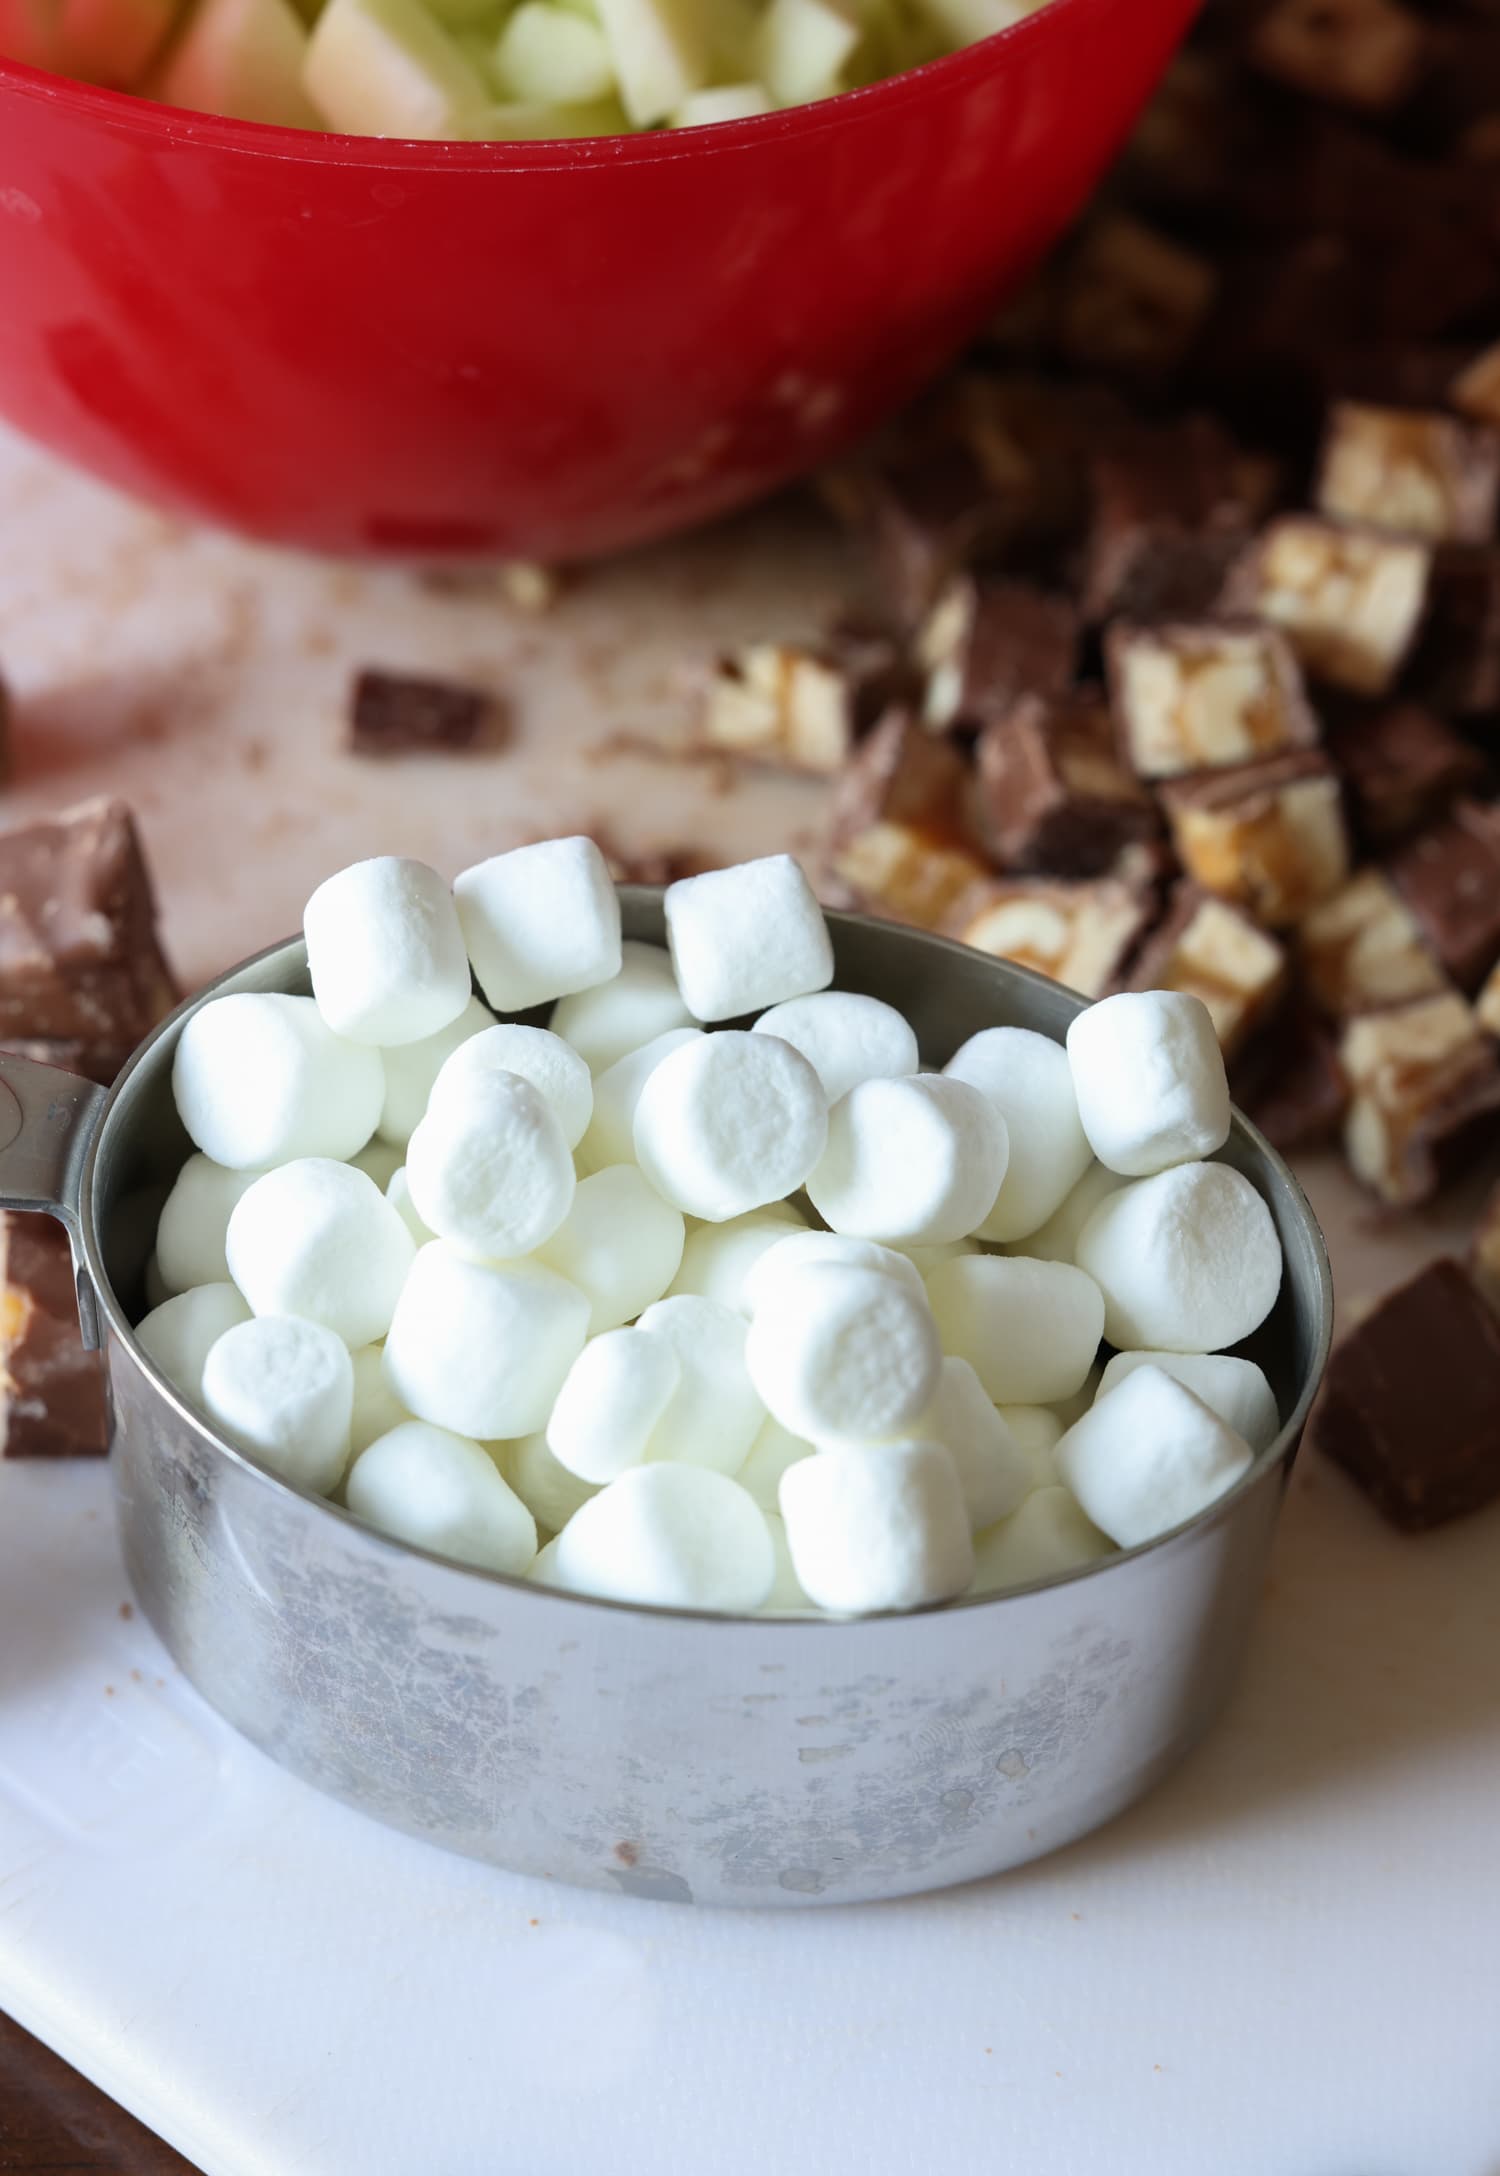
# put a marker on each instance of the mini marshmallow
(1049, 1534)
(1149, 1077)
(378, 1160)
(838, 1351)
(924, 1260)
(1236, 1390)
(786, 1598)
(441, 1492)
(385, 952)
(1148, 1457)
(1188, 1261)
(179, 1334)
(1057, 1239)
(489, 1168)
(613, 1396)
(283, 1392)
(377, 1409)
(620, 1243)
(540, 922)
(483, 1347)
(261, 1078)
(718, 1258)
(544, 1570)
(1028, 1329)
(676, 1537)
(845, 1038)
(915, 1160)
(877, 1526)
(729, 1123)
(411, 1069)
(797, 1250)
(550, 1493)
(1026, 1077)
(1036, 1431)
(715, 1413)
(1067, 1410)
(773, 1450)
(319, 1239)
(194, 1220)
(617, 1090)
(747, 937)
(993, 1471)
(553, 1067)
(641, 1002)
(398, 1194)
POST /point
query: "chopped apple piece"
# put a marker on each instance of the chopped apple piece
(520, 124)
(730, 27)
(800, 47)
(661, 54)
(965, 22)
(111, 41)
(547, 57)
(729, 102)
(386, 68)
(243, 58)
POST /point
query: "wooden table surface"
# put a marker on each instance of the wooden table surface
(52, 2119)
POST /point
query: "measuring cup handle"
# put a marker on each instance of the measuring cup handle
(47, 1123)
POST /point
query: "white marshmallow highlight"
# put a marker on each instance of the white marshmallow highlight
(773, 1450)
(441, 1492)
(194, 1221)
(259, 1079)
(802, 1249)
(615, 1393)
(1036, 1431)
(610, 1138)
(1027, 1079)
(483, 1347)
(729, 1123)
(1048, 1534)
(620, 1243)
(844, 1037)
(283, 1392)
(550, 1493)
(641, 1002)
(877, 1526)
(677, 1537)
(718, 1259)
(1236, 1390)
(1149, 1076)
(385, 952)
(838, 1351)
(411, 1069)
(918, 1161)
(489, 1167)
(1057, 1239)
(377, 1409)
(540, 922)
(1028, 1329)
(1148, 1457)
(1188, 1261)
(553, 1067)
(715, 1413)
(179, 1334)
(993, 1471)
(747, 937)
(319, 1239)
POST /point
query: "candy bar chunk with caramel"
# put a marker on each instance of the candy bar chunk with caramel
(53, 1395)
(1362, 950)
(1208, 949)
(902, 843)
(1402, 766)
(1411, 1401)
(1053, 793)
(925, 515)
(1425, 1089)
(1171, 507)
(985, 643)
(1205, 695)
(1484, 1251)
(905, 874)
(1349, 600)
(1270, 836)
(1418, 475)
(1366, 54)
(779, 703)
(1450, 878)
(1133, 301)
(1080, 934)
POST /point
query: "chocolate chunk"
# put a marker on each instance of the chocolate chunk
(1205, 695)
(1208, 949)
(1411, 1402)
(1425, 1088)
(1475, 389)
(1270, 836)
(1450, 878)
(1363, 949)
(1457, 666)
(927, 515)
(1132, 300)
(1079, 934)
(396, 714)
(1290, 1084)
(985, 643)
(1421, 475)
(1367, 54)
(1172, 506)
(901, 839)
(1402, 766)
(1053, 793)
(1349, 600)
(1484, 1251)
(81, 964)
(1192, 138)
(54, 1400)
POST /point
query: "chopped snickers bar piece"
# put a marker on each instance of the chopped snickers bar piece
(1457, 667)
(1411, 1402)
(1349, 600)
(1425, 1085)
(905, 873)
(396, 714)
(1402, 766)
(1290, 1083)
(1194, 696)
(1172, 508)
(1079, 934)
(930, 513)
(1132, 300)
(1183, 152)
(1450, 878)
(1208, 949)
(53, 1395)
(1421, 475)
(1484, 1251)
(1475, 391)
(1487, 1004)
(1270, 836)
(1368, 54)
(777, 703)
(1053, 793)
(81, 964)
(1362, 949)
(985, 643)
(902, 842)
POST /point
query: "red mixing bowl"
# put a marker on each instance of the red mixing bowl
(540, 350)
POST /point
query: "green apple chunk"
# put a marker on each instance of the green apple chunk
(243, 58)
(385, 68)
(728, 102)
(29, 33)
(965, 22)
(660, 51)
(111, 41)
(519, 123)
(800, 47)
(482, 15)
(547, 57)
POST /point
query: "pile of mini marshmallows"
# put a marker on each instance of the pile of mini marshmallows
(740, 1318)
